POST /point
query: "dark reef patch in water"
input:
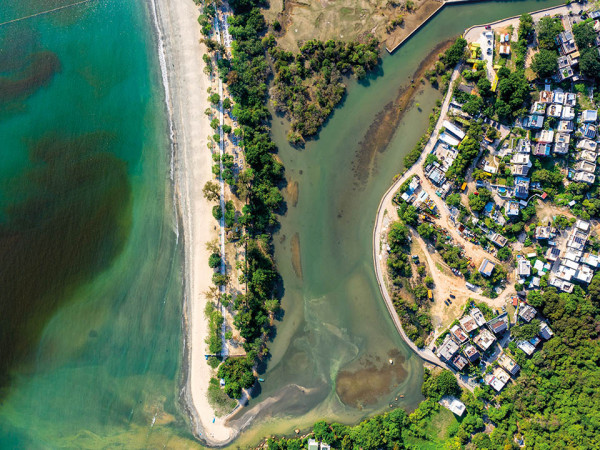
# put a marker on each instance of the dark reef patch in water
(370, 379)
(69, 216)
(36, 74)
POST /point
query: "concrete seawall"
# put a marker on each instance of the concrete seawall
(427, 19)
(575, 7)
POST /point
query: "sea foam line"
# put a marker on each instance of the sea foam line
(167, 89)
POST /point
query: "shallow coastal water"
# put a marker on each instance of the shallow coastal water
(91, 265)
(86, 213)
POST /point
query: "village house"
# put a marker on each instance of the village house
(585, 166)
(522, 187)
(527, 313)
(497, 379)
(586, 155)
(459, 334)
(584, 177)
(471, 353)
(570, 99)
(545, 331)
(589, 116)
(508, 364)
(558, 96)
(587, 144)
(545, 136)
(486, 268)
(555, 111)
(523, 268)
(499, 324)
(588, 131)
(561, 143)
(538, 108)
(591, 260)
(484, 339)
(546, 97)
(448, 349)
(542, 149)
(453, 404)
(527, 347)
(468, 323)
(534, 122)
(512, 209)
(477, 315)
(568, 113)
(459, 362)
(584, 274)
(565, 126)
(566, 42)
(560, 284)
(543, 233)
(552, 254)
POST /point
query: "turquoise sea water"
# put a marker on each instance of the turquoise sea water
(90, 264)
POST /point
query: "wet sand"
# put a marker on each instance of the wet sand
(296, 260)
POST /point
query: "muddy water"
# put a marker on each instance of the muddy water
(331, 356)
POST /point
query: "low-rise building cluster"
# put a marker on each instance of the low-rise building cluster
(445, 150)
(564, 131)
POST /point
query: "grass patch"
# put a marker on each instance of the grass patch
(219, 400)
(435, 431)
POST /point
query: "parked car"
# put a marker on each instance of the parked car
(452, 296)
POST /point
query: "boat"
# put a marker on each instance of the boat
(261, 380)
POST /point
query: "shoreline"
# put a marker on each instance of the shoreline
(185, 89)
(379, 230)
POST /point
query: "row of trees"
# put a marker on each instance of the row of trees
(468, 150)
(246, 75)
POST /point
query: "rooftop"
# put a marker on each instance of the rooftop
(527, 347)
(484, 339)
(527, 313)
(508, 364)
(448, 349)
(453, 404)
(458, 333)
(486, 268)
(468, 323)
(477, 316)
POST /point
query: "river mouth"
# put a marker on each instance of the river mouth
(333, 346)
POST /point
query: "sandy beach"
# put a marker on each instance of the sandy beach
(188, 99)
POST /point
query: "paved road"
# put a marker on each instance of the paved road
(379, 237)
(472, 34)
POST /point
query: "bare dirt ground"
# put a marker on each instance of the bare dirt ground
(412, 21)
(546, 211)
(446, 283)
(346, 20)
